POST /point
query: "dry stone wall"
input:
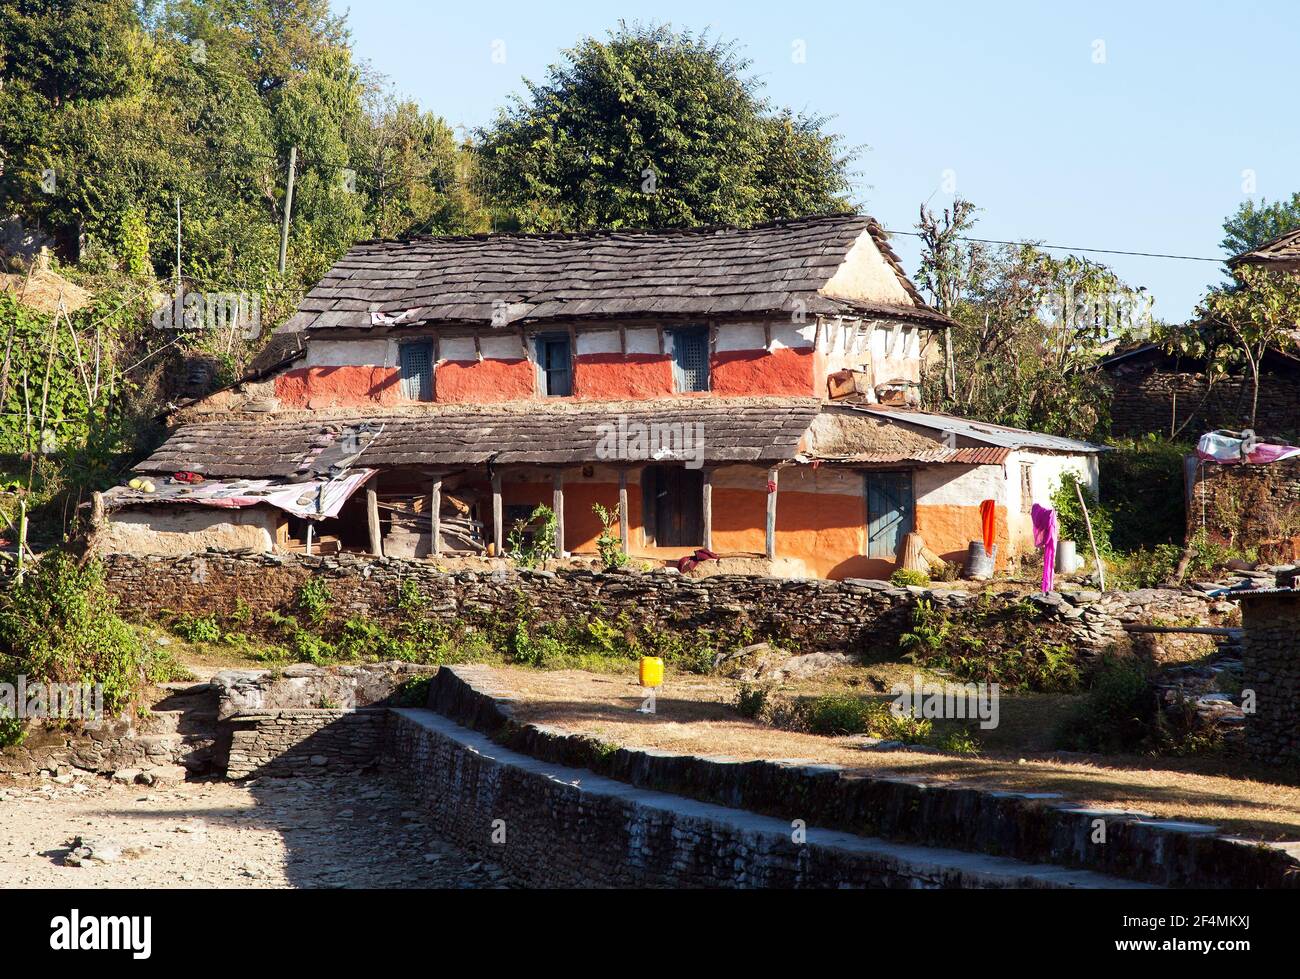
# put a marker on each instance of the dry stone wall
(855, 616)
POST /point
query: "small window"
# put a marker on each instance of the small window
(691, 359)
(417, 371)
(1026, 487)
(554, 365)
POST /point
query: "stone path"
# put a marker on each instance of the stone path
(317, 832)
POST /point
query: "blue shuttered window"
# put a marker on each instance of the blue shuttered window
(889, 512)
(417, 371)
(554, 365)
(691, 360)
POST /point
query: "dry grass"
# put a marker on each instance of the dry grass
(694, 716)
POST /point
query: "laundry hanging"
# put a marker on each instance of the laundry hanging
(988, 523)
(1045, 536)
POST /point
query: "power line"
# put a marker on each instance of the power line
(1072, 248)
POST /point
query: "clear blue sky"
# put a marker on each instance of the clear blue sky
(1144, 151)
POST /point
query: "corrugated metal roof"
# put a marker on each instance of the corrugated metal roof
(973, 456)
(995, 435)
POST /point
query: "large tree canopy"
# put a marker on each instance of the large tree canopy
(110, 111)
(1253, 224)
(656, 128)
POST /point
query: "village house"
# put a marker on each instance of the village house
(754, 392)
(1154, 390)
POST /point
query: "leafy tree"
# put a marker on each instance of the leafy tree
(1252, 225)
(656, 128)
(1246, 321)
(1028, 327)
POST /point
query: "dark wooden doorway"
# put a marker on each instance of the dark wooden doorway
(675, 505)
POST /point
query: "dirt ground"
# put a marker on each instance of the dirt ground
(694, 715)
(266, 833)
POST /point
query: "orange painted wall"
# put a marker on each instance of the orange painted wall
(483, 381)
(581, 525)
(757, 372)
(613, 377)
(949, 529)
(341, 387)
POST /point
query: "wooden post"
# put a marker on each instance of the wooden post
(22, 535)
(623, 533)
(1087, 522)
(771, 514)
(372, 517)
(288, 207)
(708, 509)
(435, 518)
(498, 533)
(557, 504)
(310, 525)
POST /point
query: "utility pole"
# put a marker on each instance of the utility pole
(288, 206)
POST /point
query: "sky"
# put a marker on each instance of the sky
(1126, 126)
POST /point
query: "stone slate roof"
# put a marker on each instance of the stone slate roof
(1282, 249)
(700, 272)
(735, 430)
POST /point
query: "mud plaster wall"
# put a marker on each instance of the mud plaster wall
(186, 528)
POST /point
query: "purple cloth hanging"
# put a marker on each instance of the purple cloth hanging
(1045, 536)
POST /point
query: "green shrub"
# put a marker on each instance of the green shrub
(907, 576)
(1142, 489)
(204, 628)
(609, 544)
(313, 600)
(751, 700)
(529, 551)
(959, 743)
(1116, 715)
(60, 625)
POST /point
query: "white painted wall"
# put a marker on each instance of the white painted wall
(965, 486)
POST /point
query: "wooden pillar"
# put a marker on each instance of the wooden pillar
(557, 504)
(498, 532)
(435, 517)
(623, 532)
(372, 517)
(771, 514)
(707, 509)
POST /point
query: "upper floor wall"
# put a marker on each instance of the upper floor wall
(772, 357)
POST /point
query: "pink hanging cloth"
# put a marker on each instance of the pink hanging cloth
(1045, 536)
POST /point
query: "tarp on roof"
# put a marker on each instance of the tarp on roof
(1234, 448)
(314, 499)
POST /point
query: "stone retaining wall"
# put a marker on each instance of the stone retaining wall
(1271, 668)
(1035, 828)
(305, 742)
(854, 616)
(553, 826)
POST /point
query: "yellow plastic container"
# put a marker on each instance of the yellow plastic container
(652, 671)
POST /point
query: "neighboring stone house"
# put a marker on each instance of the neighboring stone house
(752, 392)
(1154, 391)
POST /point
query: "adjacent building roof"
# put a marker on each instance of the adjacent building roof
(1284, 249)
(986, 433)
(503, 279)
(733, 430)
